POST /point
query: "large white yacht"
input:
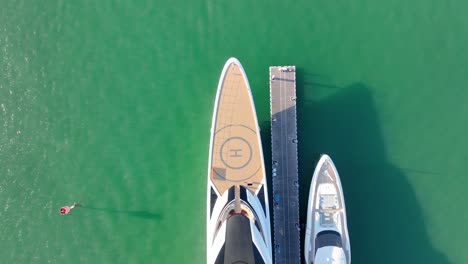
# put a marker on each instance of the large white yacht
(238, 217)
(326, 239)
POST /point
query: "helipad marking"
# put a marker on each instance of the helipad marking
(236, 155)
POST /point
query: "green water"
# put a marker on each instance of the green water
(108, 103)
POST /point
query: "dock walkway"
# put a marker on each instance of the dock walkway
(285, 168)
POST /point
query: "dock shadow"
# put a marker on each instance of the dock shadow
(385, 221)
(134, 213)
(265, 135)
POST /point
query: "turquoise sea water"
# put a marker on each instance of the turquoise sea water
(108, 103)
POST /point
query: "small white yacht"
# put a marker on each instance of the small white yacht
(238, 217)
(326, 239)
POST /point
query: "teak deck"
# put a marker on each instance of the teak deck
(236, 155)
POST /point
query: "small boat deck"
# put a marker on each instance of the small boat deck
(328, 175)
(285, 167)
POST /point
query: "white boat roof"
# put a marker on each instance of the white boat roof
(330, 255)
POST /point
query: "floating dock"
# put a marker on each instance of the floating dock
(284, 159)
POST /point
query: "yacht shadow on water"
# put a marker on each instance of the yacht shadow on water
(134, 213)
(385, 221)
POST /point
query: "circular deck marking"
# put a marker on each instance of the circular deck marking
(236, 157)
(235, 153)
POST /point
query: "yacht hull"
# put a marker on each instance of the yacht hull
(326, 230)
(236, 183)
